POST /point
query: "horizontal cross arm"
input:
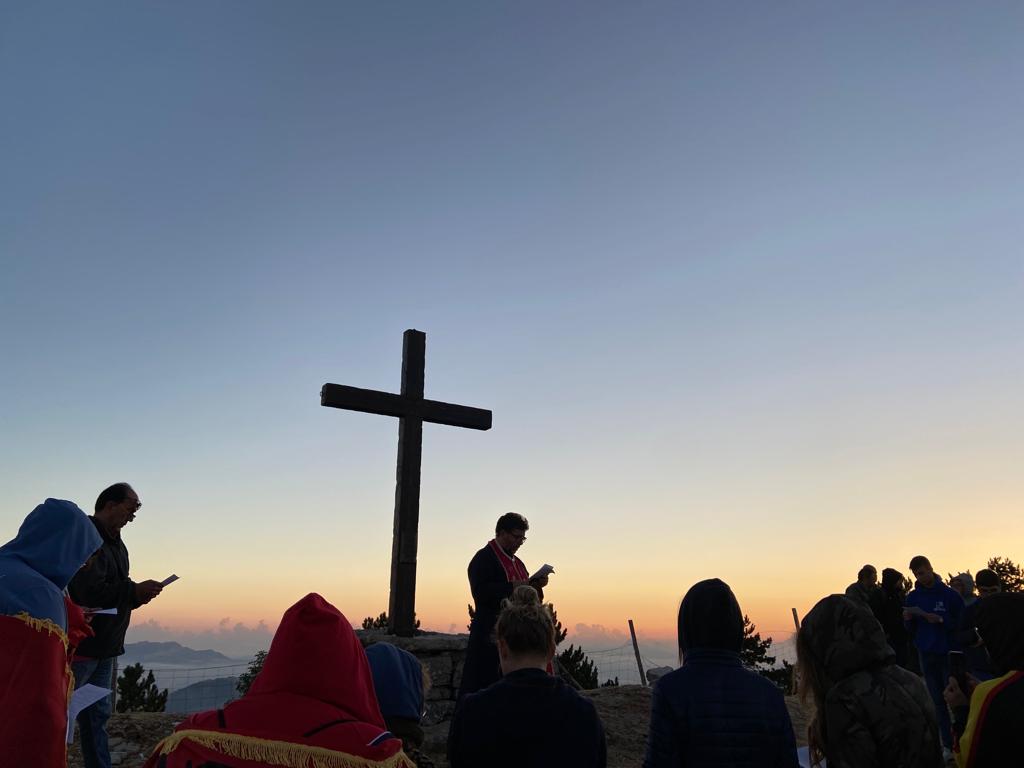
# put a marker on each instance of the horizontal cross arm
(455, 415)
(389, 404)
(365, 400)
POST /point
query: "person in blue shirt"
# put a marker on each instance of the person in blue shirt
(932, 614)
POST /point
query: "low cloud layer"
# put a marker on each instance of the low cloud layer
(234, 639)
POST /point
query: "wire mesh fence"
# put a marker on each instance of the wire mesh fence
(193, 689)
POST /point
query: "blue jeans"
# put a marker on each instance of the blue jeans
(92, 721)
(935, 668)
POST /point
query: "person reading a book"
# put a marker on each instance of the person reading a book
(494, 572)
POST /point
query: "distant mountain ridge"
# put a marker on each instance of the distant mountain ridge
(170, 652)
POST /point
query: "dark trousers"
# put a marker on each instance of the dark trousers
(935, 668)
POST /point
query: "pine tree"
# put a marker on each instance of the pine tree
(1011, 575)
(136, 693)
(754, 651)
(754, 655)
(575, 662)
(381, 622)
(245, 680)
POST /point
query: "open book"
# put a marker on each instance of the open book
(543, 571)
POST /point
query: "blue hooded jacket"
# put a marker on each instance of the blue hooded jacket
(398, 681)
(53, 542)
(943, 601)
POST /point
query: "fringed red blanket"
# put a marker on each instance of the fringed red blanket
(35, 682)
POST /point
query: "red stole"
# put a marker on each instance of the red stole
(514, 568)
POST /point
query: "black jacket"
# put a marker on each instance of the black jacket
(105, 584)
(712, 712)
(527, 719)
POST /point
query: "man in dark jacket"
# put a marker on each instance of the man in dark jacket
(933, 616)
(712, 711)
(104, 583)
(493, 573)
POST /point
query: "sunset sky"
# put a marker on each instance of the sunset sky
(742, 283)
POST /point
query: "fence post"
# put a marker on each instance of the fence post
(636, 650)
(113, 687)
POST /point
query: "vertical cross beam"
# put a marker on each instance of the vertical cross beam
(412, 409)
(402, 601)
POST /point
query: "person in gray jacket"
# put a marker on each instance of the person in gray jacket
(869, 710)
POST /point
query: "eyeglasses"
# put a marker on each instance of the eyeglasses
(138, 504)
(987, 590)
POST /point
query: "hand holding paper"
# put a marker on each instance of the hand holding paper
(543, 572)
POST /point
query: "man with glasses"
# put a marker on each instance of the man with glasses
(102, 584)
(494, 572)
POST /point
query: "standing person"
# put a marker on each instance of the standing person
(865, 589)
(933, 614)
(963, 585)
(36, 630)
(528, 718)
(979, 665)
(712, 711)
(992, 726)
(868, 710)
(494, 572)
(893, 595)
(106, 584)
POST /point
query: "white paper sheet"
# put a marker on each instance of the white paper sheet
(80, 699)
(543, 571)
(804, 756)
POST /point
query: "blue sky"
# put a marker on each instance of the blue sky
(736, 280)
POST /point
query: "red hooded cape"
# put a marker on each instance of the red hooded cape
(312, 706)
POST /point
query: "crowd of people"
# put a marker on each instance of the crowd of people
(898, 676)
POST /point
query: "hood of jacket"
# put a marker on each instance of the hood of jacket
(398, 680)
(315, 653)
(710, 618)
(54, 540)
(843, 638)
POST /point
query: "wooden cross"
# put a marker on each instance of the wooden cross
(412, 410)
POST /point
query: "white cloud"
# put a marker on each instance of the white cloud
(234, 639)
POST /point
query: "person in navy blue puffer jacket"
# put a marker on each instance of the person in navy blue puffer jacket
(712, 711)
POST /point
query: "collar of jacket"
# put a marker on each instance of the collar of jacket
(712, 656)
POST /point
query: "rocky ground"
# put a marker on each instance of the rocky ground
(624, 711)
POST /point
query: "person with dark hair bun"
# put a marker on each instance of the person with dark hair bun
(528, 718)
(493, 573)
(712, 711)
